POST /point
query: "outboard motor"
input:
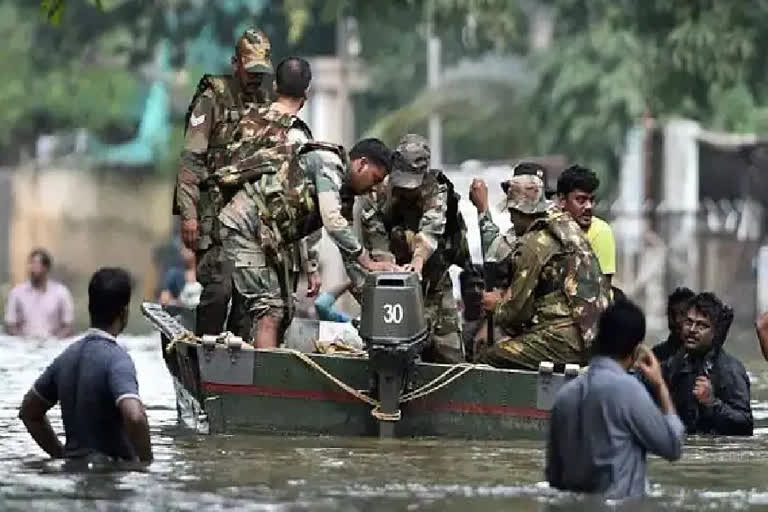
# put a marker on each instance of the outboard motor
(394, 329)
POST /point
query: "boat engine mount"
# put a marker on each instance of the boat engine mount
(395, 330)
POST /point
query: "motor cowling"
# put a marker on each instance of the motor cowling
(392, 311)
(395, 330)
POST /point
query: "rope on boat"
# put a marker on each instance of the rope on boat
(186, 336)
(436, 384)
(439, 382)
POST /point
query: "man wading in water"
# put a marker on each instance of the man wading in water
(94, 380)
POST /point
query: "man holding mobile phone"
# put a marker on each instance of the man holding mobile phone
(604, 422)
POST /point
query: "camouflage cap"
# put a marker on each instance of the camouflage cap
(254, 50)
(525, 194)
(410, 161)
(525, 168)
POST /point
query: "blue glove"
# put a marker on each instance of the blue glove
(325, 310)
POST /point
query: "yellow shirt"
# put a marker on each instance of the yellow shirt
(600, 236)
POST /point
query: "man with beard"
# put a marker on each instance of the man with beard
(677, 309)
(576, 189)
(710, 388)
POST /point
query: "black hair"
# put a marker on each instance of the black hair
(618, 293)
(707, 304)
(719, 314)
(45, 257)
(372, 149)
(621, 329)
(109, 292)
(576, 177)
(680, 295)
(292, 77)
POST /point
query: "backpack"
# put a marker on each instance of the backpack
(585, 285)
(268, 167)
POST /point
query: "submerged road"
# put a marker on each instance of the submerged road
(195, 472)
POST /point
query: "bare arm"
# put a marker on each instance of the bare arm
(137, 427)
(33, 413)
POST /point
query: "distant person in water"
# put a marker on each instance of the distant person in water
(710, 387)
(94, 381)
(677, 310)
(39, 307)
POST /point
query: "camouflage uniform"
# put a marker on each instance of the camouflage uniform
(550, 311)
(498, 247)
(495, 245)
(266, 286)
(216, 107)
(428, 226)
(266, 257)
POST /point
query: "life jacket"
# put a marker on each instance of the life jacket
(584, 284)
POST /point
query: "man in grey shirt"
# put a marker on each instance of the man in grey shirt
(604, 422)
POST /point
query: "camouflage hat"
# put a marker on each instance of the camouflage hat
(525, 194)
(254, 50)
(525, 168)
(410, 161)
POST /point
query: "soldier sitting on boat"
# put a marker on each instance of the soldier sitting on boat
(414, 217)
(290, 188)
(557, 291)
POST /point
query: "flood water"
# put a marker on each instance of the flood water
(199, 472)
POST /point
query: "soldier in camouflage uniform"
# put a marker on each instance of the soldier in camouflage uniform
(264, 273)
(557, 292)
(215, 109)
(413, 217)
(277, 129)
(291, 187)
(496, 246)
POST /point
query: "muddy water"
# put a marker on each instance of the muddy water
(196, 472)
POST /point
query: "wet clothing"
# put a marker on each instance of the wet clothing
(88, 380)
(667, 348)
(602, 425)
(730, 413)
(557, 293)
(40, 312)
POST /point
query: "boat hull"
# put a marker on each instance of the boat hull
(246, 390)
(262, 391)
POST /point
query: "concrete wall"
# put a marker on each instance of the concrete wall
(87, 220)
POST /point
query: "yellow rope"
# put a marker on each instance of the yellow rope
(349, 389)
(435, 384)
(185, 336)
(432, 386)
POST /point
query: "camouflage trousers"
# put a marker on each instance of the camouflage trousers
(214, 311)
(266, 288)
(555, 343)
